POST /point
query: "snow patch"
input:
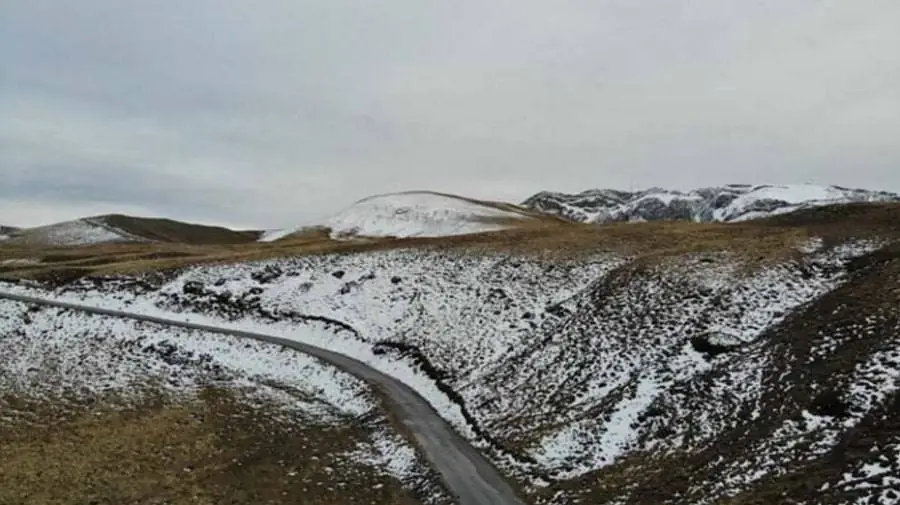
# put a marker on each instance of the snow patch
(86, 231)
(418, 214)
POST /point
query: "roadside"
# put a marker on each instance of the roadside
(222, 448)
(101, 410)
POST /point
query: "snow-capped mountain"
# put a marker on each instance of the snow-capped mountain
(420, 214)
(416, 214)
(735, 202)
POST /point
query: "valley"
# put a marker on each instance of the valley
(640, 363)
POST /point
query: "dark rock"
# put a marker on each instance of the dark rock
(192, 288)
(829, 403)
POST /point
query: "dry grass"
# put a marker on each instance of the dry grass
(168, 230)
(758, 241)
(214, 451)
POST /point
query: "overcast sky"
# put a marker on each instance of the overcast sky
(270, 113)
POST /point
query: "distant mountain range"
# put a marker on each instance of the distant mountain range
(733, 202)
(396, 215)
(431, 214)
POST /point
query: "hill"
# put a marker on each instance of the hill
(421, 214)
(168, 230)
(731, 203)
(117, 228)
(642, 363)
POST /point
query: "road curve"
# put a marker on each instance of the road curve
(466, 473)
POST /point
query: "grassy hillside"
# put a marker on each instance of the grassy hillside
(764, 239)
(168, 230)
(218, 449)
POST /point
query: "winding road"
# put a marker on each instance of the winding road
(466, 473)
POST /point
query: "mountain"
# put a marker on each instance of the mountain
(86, 231)
(735, 202)
(668, 364)
(419, 214)
(117, 228)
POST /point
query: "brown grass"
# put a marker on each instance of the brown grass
(762, 240)
(213, 451)
(168, 230)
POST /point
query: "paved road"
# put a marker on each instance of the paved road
(465, 471)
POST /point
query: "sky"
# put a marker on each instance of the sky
(272, 113)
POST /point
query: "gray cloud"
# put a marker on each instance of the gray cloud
(273, 113)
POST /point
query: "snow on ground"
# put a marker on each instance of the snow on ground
(868, 387)
(672, 307)
(48, 352)
(475, 318)
(89, 344)
(19, 262)
(417, 214)
(879, 472)
(446, 295)
(314, 334)
(273, 235)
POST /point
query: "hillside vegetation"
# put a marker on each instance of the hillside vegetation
(768, 238)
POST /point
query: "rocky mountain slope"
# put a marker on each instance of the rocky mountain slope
(721, 373)
(736, 202)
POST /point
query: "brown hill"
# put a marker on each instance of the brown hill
(169, 230)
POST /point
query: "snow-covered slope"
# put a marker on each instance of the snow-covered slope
(420, 214)
(302, 231)
(603, 380)
(275, 234)
(67, 357)
(736, 202)
(85, 231)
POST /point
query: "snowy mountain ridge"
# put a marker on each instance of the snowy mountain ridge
(730, 203)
